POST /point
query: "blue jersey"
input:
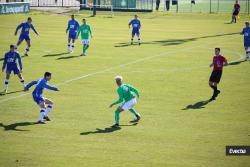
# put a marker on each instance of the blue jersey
(136, 24)
(25, 28)
(40, 85)
(246, 33)
(10, 59)
(73, 27)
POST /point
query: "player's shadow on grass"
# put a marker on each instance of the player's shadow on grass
(3, 93)
(98, 131)
(236, 62)
(197, 105)
(176, 41)
(68, 57)
(56, 54)
(106, 130)
(15, 125)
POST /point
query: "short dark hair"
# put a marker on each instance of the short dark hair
(12, 46)
(47, 74)
(217, 49)
(29, 18)
(84, 19)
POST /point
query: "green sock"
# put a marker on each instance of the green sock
(133, 111)
(84, 49)
(117, 116)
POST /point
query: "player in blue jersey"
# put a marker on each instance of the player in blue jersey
(73, 27)
(25, 26)
(39, 99)
(136, 25)
(246, 33)
(10, 63)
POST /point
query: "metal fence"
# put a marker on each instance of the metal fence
(54, 3)
(201, 6)
(125, 5)
(204, 6)
(143, 5)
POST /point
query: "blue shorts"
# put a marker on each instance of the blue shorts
(24, 37)
(38, 99)
(247, 44)
(14, 69)
(135, 32)
(72, 36)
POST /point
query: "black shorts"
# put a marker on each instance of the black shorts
(235, 13)
(215, 76)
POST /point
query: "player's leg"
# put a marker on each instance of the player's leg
(73, 45)
(86, 43)
(247, 49)
(211, 84)
(117, 117)
(248, 52)
(42, 111)
(139, 37)
(18, 43)
(20, 40)
(21, 79)
(69, 40)
(130, 106)
(84, 49)
(213, 78)
(217, 90)
(6, 82)
(233, 18)
(136, 115)
(48, 109)
(28, 46)
(132, 38)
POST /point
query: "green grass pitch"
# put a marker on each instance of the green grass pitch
(170, 69)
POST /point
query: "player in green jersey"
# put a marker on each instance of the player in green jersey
(85, 31)
(127, 95)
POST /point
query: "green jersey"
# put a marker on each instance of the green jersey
(126, 92)
(85, 31)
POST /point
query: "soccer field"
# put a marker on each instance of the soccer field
(179, 128)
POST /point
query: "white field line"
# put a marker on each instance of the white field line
(110, 69)
(126, 64)
(106, 70)
(186, 69)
